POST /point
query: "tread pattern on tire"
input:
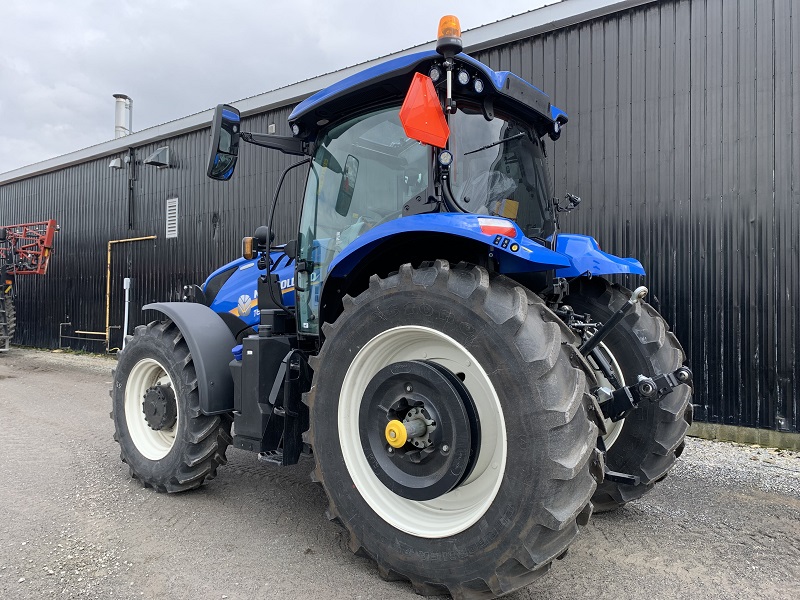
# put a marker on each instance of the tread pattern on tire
(11, 321)
(674, 416)
(572, 435)
(206, 438)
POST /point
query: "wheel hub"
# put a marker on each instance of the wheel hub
(419, 429)
(159, 407)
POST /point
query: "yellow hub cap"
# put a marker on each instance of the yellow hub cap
(396, 434)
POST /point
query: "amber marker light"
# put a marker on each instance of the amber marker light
(248, 250)
(448, 39)
(449, 27)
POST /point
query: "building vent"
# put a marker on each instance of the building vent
(172, 218)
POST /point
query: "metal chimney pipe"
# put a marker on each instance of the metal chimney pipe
(123, 116)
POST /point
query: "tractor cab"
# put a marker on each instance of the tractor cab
(435, 133)
(367, 171)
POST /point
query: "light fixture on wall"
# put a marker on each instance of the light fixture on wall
(159, 158)
(115, 163)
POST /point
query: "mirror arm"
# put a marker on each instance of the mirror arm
(286, 144)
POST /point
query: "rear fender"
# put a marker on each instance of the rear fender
(586, 258)
(210, 343)
(502, 238)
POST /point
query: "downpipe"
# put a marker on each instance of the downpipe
(126, 284)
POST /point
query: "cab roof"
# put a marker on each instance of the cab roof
(390, 80)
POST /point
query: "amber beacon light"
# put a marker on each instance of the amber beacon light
(448, 39)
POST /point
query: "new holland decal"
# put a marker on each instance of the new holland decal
(245, 305)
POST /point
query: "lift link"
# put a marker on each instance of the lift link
(618, 403)
(592, 343)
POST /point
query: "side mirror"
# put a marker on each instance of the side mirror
(224, 149)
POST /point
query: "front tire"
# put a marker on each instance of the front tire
(164, 438)
(651, 438)
(532, 476)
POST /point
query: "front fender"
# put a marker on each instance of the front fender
(210, 343)
(586, 258)
(503, 239)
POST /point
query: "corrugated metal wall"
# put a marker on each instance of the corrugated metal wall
(90, 201)
(684, 141)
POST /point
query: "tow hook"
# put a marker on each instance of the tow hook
(592, 343)
(616, 404)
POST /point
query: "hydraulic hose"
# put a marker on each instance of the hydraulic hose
(269, 226)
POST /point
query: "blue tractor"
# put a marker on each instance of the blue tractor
(467, 382)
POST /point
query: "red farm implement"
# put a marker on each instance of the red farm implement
(25, 249)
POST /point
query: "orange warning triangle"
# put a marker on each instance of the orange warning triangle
(421, 114)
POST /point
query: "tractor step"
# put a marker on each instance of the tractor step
(275, 457)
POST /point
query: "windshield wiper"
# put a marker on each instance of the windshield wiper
(508, 139)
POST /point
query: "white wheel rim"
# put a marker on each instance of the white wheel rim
(152, 444)
(462, 507)
(612, 429)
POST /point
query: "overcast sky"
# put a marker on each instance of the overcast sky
(61, 60)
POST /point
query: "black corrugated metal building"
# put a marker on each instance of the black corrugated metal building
(683, 140)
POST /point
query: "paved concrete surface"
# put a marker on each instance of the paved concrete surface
(725, 524)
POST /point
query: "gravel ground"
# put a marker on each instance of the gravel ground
(725, 524)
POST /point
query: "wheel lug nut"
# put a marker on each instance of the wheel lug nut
(445, 448)
(409, 388)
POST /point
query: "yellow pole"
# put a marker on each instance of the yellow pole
(108, 281)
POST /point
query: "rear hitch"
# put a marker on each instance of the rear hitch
(618, 403)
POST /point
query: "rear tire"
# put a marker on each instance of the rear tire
(529, 489)
(189, 448)
(652, 436)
